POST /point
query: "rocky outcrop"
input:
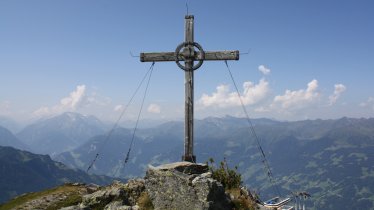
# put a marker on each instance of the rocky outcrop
(185, 185)
(115, 196)
(180, 185)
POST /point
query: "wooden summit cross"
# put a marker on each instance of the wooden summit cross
(186, 52)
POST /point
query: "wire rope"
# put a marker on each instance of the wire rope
(132, 142)
(119, 118)
(259, 147)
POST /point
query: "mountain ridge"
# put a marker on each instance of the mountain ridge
(8, 139)
(317, 156)
(23, 171)
(60, 133)
(308, 152)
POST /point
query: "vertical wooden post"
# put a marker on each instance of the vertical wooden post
(189, 93)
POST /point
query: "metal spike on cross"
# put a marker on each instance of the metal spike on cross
(186, 52)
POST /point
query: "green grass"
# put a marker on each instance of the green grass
(241, 202)
(72, 199)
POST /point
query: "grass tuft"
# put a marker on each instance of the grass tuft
(145, 202)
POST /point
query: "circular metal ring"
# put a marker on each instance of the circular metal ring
(186, 44)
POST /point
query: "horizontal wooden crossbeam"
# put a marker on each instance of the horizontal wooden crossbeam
(209, 56)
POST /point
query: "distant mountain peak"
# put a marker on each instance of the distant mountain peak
(74, 116)
(61, 133)
(8, 139)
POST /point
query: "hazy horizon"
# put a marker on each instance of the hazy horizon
(16, 126)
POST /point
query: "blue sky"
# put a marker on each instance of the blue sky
(316, 58)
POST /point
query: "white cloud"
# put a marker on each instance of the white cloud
(368, 103)
(95, 99)
(42, 111)
(298, 98)
(252, 94)
(73, 101)
(339, 89)
(118, 108)
(70, 103)
(264, 70)
(154, 108)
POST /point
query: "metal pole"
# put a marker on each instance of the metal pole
(189, 92)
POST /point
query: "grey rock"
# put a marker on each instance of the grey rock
(180, 185)
(134, 189)
(118, 205)
(185, 185)
(115, 196)
(184, 167)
